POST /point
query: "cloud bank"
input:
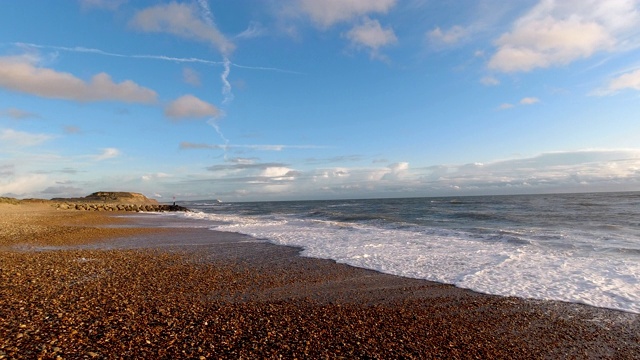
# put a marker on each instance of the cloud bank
(570, 171)
(594, 170)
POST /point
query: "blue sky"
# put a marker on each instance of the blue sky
(318, 99)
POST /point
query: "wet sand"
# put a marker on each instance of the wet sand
(89, 285)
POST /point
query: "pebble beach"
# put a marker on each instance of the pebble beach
(69, 289)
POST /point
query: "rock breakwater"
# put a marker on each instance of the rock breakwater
(119, 207)
(114, 201)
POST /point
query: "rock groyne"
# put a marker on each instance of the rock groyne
(87, 206)
(114, 201)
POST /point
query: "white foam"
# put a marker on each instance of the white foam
(495, 267)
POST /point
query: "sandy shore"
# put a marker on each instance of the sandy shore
(87, 285)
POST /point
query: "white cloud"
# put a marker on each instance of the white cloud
(107, 153)
(398, 167)
(630, 80)
(328, 12)
(371, 35)
(23, 185)
(243, 161)
(189, 106)
(548, 42)
(529, 101)
(13, 138)
(182, 20)
(447, 37)
(22, 75)
(523, 101)
(559, 32)
(277, 172)
(336, 172)
(396, 171)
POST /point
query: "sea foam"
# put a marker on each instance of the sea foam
(507, 264)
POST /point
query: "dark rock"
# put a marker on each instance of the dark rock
(120, 207)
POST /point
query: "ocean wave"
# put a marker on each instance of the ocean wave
(512, 248)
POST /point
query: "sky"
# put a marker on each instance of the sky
(253, 100)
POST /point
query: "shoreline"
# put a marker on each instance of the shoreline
(229, 295)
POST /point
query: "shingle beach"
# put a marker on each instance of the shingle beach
(91, 285)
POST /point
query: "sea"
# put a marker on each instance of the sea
(580, 248)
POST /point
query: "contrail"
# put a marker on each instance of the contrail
(267, 69)
(226, 63)
(188, 145)
(224, 147)
(226, 86)
(208, 16)
(80, 49)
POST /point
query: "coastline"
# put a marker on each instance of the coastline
(179, 292)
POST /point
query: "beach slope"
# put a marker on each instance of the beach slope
(77, 284)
